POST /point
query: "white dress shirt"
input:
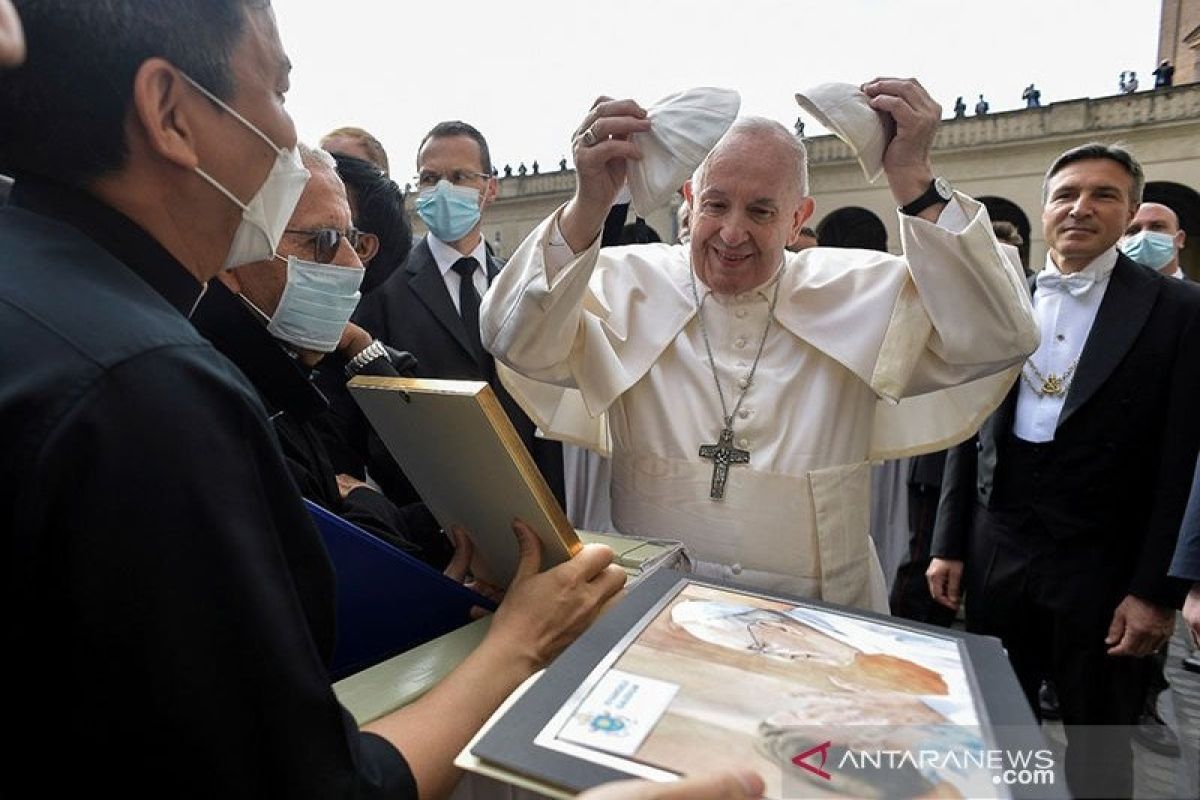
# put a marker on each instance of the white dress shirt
(445, 256)
(1065, 319)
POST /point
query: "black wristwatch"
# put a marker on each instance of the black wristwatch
(939, 191)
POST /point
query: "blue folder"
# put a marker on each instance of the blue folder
(387, 600)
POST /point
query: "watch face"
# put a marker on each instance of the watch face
(943, 188)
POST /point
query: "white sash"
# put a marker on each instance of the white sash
(808, 536)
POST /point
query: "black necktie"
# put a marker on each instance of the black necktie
(468, 300)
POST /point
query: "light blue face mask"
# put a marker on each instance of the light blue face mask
(448, 211)
(316, 304)
(1150, 248)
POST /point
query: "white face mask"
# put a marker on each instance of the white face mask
(266, 216)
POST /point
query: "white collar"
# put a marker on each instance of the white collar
(1100, 268)
(445, 255)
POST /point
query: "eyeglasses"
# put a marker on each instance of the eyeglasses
(326, 242)
(427, 179)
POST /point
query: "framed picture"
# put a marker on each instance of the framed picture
(463, 456)
(688, 676)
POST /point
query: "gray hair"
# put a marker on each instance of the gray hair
(1098, 150)
(309, 155)
(761, 126)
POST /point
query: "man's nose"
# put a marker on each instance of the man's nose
(1082, 206)
(733, 229)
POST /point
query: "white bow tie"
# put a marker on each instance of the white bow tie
(1075, 284)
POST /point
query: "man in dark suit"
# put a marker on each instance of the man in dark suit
(430, 306)
(1066, 508)
(1186, 564)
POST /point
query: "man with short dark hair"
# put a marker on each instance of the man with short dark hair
(168, 602)
(1066, 509)
(377, 206)
(430, 306)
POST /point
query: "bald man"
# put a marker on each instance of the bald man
(1154, 239)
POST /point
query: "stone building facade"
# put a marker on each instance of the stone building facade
(999, 158)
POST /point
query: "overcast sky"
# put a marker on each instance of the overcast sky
(525, 71)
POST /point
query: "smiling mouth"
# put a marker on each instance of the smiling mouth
(731, 258)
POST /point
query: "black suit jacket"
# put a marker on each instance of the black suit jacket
(412, 311)
(1124, 449)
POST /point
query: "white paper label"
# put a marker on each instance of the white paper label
(619, 712)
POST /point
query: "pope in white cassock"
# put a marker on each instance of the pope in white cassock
(745, 389)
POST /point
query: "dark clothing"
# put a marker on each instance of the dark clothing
(1186, 563)
(1164, 75)
(1054, 535)
(168, 602)
(299, 413)
(910, 597)
(413, 311)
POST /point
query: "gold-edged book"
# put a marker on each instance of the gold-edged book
(463, 456)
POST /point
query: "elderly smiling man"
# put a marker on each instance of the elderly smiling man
(746, 388)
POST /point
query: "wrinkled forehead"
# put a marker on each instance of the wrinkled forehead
(324, 202)
(751, 159)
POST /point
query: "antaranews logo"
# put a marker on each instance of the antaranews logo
(801, 760)
(913, 771)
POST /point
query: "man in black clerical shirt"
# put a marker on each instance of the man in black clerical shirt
(168, 605)
(235, 314)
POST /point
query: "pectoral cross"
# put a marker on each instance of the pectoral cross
(723, 453)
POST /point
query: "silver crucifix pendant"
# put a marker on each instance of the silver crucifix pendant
(723, 453)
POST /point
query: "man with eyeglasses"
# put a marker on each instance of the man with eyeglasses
(430, 305)
(256, 317)
(158, 557)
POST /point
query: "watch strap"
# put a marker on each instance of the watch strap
(365, 356)
(930, 196)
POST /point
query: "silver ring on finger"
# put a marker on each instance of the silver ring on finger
(589, 138)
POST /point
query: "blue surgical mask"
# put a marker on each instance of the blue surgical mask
(316, 304)
(449, 211)
(1150, 248)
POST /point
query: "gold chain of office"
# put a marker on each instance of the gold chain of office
(1051, 385)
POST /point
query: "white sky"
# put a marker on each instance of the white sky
(525, 71)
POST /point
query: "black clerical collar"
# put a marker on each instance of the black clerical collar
(283, 383)
(128, 242)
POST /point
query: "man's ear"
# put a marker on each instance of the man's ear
(164, 112)
(803, 213)
(687, 191)
(370, 246)
(490, 191)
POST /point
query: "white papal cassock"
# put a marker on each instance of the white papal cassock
(870, 356)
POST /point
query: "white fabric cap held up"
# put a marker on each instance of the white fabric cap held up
(683, 127)
(845, 110)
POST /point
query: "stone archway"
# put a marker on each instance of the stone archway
(852, 226)
(1001, 208)
(1185, 202)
